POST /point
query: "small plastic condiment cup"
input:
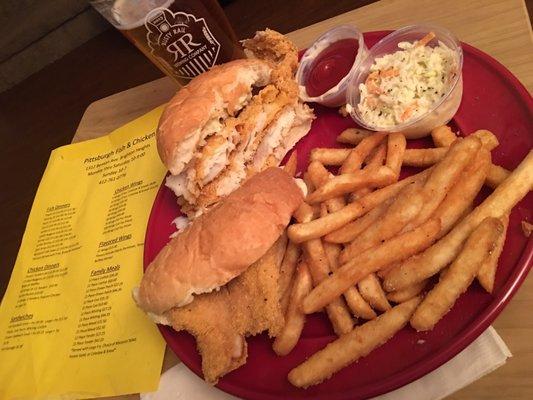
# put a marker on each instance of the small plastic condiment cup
(442, 111)
(335, 96)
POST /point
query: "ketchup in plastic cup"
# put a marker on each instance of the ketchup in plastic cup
(326, 66)
(330, 66)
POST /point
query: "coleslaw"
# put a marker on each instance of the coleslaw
(406, 84)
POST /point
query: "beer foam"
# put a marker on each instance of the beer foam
(130, 14)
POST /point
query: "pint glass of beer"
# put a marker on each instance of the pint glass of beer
(182, 37)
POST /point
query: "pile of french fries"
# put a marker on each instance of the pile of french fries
(366, 243)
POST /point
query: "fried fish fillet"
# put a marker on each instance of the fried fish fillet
(209, 319)
(254, 295)
(247, 306)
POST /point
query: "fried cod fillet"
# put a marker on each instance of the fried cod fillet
(246, 306)
(209, 319)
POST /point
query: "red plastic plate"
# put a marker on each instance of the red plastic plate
(493, 99)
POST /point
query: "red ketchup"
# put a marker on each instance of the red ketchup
(330, 66)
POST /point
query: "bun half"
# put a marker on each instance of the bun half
(222, 243)
(194, 112)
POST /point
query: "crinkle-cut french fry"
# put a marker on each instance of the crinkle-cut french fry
(395, 151)
(372, 260)
(444, 175)
(294, 317)
(460, 275)
(487, 272)
(353, 136)
(442, 253)
(359, 153)
(352, 346)
(373, 293)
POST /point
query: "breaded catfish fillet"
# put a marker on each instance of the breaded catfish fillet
(209, 319)
(254, 295)
(248, 305)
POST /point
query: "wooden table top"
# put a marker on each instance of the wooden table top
(498, 27)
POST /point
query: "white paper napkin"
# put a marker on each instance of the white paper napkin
(483, 356)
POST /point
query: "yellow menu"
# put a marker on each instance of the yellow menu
(68, 325)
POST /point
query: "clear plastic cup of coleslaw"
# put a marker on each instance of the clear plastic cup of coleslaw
(438, 113)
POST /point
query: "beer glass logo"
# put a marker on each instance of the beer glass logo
(181, 41)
